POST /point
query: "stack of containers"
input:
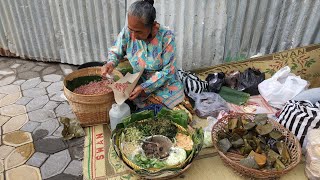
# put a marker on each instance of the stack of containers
(313, 154)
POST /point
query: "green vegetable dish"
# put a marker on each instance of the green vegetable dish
(149, 144)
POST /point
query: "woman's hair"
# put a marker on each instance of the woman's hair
(144, 10)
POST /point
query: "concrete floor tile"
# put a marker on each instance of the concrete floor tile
(28, 75)
(1, 166)
(45, 129)
(23, 172)
(7, 80)
(15, 123)
(43, 84)
(3, 119)
(62, 109)
(74, 168)
(14, 66)
(19, 82)
(55, 87)
(57, 96)
(5, 151)
(37, 68)
(13, 110)
(6, 71)
(23, 100)
(34, 92)
(37, 103)
(55, 164)
(48, 70)
(2, 95)
(50, 145)
(17, 138)
(30, 126)
(37, 159)
(27, 66)
(41, 115)
(31, 83)
(51, 105)
(19, 156)
(10, 99)
(8, 89)
(52, 78)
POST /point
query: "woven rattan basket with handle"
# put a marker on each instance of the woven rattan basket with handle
(232, 160)
(89, 109)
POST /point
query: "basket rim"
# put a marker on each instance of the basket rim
(86, 69)
(275, 173)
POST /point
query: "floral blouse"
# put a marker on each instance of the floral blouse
(158, 59)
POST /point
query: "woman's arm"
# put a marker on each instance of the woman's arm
(169, 62)
(118, 50)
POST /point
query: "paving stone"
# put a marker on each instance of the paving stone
(28, 75)
(37, 68)
(26, 67)
(58, 132)
(15, 123)
(19, 82)
(45, 129)
(63, 109)
(37, 159)
(76, 152)
(5, 62)
(6, 71)
(55, 87)
(5, 151)
(30, 126)
(50, 145)
(48, 70)
(65, 177)
(67, 69)
(56, 96)
(19, 156)
(43, 84)
(55, 164)
(2, 95)
(13, 110)
(8, 89)
(52, 78)
(31, 83)
(37, 103)
(23, 100)
(3, 119)
(70, 115)
(7, 80)
(24, 172)
(17, 138)
(34, 92)
(43, 64)
(10, 99)
(1, 176)
(74, 168)
(1, 166)
(15, 66)
(41, 115)
(76, 141)
(51, 105)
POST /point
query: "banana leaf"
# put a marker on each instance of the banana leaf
(71, 128)
(178, 116)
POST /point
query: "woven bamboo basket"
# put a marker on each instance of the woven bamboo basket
(89, 109)
(233, 160)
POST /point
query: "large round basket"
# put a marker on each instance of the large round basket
(232, 160)
(89, 109)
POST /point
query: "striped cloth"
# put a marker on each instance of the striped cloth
(299, 117)
(191, 82)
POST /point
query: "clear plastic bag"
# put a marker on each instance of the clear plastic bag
(313, 154)
(208, 104)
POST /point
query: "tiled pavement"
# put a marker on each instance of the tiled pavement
(31, 145)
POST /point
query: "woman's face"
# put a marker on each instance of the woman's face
(137, 28)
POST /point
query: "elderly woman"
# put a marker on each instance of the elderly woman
(148, 45)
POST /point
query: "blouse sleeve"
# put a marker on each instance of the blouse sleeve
(169, 63)
(118, 50)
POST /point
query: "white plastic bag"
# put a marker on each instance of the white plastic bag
(281, 87)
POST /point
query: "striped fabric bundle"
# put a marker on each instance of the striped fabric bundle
(299, 117)
(191, 82)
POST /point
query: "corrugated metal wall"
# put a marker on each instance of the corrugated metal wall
(208, 31)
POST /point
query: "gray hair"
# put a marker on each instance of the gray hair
(143, 10)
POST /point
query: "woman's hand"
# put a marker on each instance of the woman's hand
(107, 69)
(135, 93)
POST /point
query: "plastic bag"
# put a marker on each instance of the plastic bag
(206, 125)
(313, 154)
(281, 87)
(215, 81)
(232, 79)
(249, 81)
(208, 104)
